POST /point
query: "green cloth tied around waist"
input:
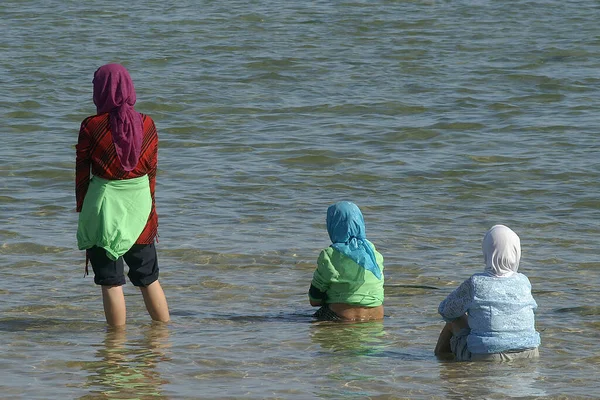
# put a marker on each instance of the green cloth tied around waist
(114, 214)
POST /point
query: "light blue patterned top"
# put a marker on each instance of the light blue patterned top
(500, 312)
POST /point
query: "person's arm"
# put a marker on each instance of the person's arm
(153, 160)
(534, 304)
(316, 297)
(82, 165)
(457, 303)
(378, 257)
(317, 294)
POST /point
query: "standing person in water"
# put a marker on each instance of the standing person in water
(348, 281)
(117, 215)
(490, 316)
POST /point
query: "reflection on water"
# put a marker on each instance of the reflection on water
(361, 339)
(32, 324)
(128, 369)
(492, 380)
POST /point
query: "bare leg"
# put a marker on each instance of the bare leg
(156, 302)
(442, 348)
(443, 344)
(114, 305)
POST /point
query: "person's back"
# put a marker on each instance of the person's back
(348, 282)
(501, 315)
(96, 152)
(102, 153)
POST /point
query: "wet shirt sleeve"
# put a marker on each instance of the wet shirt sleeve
(82, 165)
(153, 149)
(458, 302)
(534, 305)
(323, 276)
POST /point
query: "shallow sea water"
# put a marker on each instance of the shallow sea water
(438, 118)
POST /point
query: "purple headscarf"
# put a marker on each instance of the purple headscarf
(114, 93)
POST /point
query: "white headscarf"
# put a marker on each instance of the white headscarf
(501, 251)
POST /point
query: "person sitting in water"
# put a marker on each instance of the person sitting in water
(490, 316)
(348, 281)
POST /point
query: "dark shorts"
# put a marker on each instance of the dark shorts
(141, 260)
(325, 314)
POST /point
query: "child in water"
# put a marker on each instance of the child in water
(348, 281)
(490, 316)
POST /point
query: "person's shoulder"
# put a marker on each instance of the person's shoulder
(478, 278)
(88, 119)
(378, 255)
(326, 256)
(479, 275)
(523, 278)
(146, 118)
(327, 251)
(331, 255)
(93, 121)
(148, 123)
(95, 118)
(371, 244)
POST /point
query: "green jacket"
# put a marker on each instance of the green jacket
(114, 214)
(345, 281)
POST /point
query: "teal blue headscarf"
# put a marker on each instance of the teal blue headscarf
(346, 228)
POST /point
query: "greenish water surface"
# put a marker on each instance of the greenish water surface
(438, 118)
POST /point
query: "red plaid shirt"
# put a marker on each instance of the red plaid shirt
(95, 149)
